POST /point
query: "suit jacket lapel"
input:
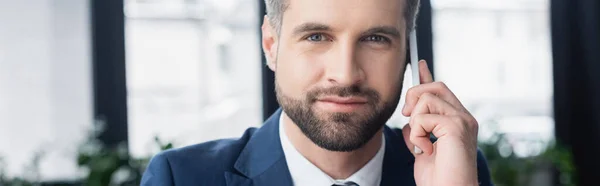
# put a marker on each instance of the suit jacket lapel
(232, 179)
(277, 174)
(262, 161)
(398, 162)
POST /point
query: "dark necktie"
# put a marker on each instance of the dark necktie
(348, 183)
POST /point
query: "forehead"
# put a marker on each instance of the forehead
(345, 13)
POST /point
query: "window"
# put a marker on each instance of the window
(193, 71)
(45, 87)
(496, 57)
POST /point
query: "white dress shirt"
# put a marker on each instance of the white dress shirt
(304, 173)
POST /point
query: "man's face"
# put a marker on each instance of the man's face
(339, 66)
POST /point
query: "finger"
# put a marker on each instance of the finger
(406, 134)
(431, 104)
(424, 73)
(422, 125)
(417, 138)
(437, 88)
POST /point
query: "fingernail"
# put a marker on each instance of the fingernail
(418, 150)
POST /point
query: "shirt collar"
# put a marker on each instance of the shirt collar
(303, 172)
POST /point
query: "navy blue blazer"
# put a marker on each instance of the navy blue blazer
(257, 159)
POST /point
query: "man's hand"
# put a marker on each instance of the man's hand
(434, 109)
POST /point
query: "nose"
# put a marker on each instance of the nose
(343, 68)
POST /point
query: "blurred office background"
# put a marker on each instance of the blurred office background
(91, 87)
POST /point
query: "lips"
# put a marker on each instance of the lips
(344, 100)
(341, 104)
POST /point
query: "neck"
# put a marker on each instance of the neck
(338, 165)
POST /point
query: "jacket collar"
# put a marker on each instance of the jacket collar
(262, 160)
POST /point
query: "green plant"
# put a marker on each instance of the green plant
(507, 169)
(562, 159)
(3, 177)
(105, 166)
(113, 166)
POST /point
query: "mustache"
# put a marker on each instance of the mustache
(343, 91)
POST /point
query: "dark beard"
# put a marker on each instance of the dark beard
(342, 132)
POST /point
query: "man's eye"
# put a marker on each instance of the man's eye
(376, 38)
(316, 38)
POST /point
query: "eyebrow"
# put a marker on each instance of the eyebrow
(389, 30)
(311, 27)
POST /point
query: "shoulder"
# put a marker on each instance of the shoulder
(207, 160)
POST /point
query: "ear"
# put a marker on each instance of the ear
(269, 43)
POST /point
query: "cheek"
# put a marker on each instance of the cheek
(297, 73)
(384, 72)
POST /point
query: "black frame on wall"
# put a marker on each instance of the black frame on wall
(575, 28)
(424, 42)
(108, 59)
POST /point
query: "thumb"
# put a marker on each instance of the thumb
(411, 147)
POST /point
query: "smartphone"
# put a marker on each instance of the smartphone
(414, 64)
(414, 58)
